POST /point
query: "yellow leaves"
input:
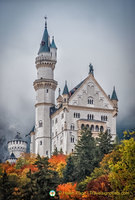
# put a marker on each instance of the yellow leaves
(58, 163)
(60, 168)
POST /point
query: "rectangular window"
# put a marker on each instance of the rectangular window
(47, 153)
(41, 142)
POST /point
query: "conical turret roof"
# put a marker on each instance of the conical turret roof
(65, 91)
(114, 95)
(45, 43)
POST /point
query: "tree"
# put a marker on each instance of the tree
(122, 175)
(46, 179)
(69, 170)
(86, 154)
(68, 191)
(29, 190)
(104, 143)
(55, 153)
(6, 187)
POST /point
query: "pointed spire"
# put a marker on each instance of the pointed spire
(91, 70)
(45, 22)
(65, 91)
(53, 45)
(114, 95)
(45, 43)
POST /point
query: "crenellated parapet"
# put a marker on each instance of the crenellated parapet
(45, 61)
(43, 83)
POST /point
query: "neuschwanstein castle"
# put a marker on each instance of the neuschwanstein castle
(85, 105)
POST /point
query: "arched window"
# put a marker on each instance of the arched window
(40, 123)
(88, 116)
(101, 128)
(87, 126)
(106, 118)
(97, 128)
(72, 139)
(90, 100)
(82, 126)
(92, 128)
(92, 117)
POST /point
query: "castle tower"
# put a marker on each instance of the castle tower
(16, 147)
(44, 86)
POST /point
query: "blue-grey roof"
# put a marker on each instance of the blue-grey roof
(12, 156)
(18, 137)
(75, 88)
(53, 45)
(53, 109)
(45, 46)
(65, 91)
(114, 95)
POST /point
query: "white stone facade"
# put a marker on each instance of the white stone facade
(69, 119)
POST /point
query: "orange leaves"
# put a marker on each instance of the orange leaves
(68, 191)
(55, 160)
(58, 163)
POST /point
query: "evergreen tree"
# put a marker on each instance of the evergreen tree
(46, 179)
(55, 153)
(29, 191)
(104, 143)
(61, 151)
(6, 187)
(85, 157)
(69, 170)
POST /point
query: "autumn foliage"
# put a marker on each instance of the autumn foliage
(68, 191)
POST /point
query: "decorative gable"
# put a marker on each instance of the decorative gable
(90, 94)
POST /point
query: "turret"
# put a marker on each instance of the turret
(59, 99)
(45, 87)
(16, 147)
(114, 98)
(65, 94)
(53, 49)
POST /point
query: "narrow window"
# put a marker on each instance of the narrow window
(41, 142)
(47, 91)
(40, 123)
(47, 153)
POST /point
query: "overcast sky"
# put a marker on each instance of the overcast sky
(98, 31)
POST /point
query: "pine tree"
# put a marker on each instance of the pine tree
(55, 153)
(6, 187)
(46, 179)
(29, 191)
(61, 151)
(85, 157)
(69, 170)
(104, 143)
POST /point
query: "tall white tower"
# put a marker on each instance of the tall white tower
(44, 86)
